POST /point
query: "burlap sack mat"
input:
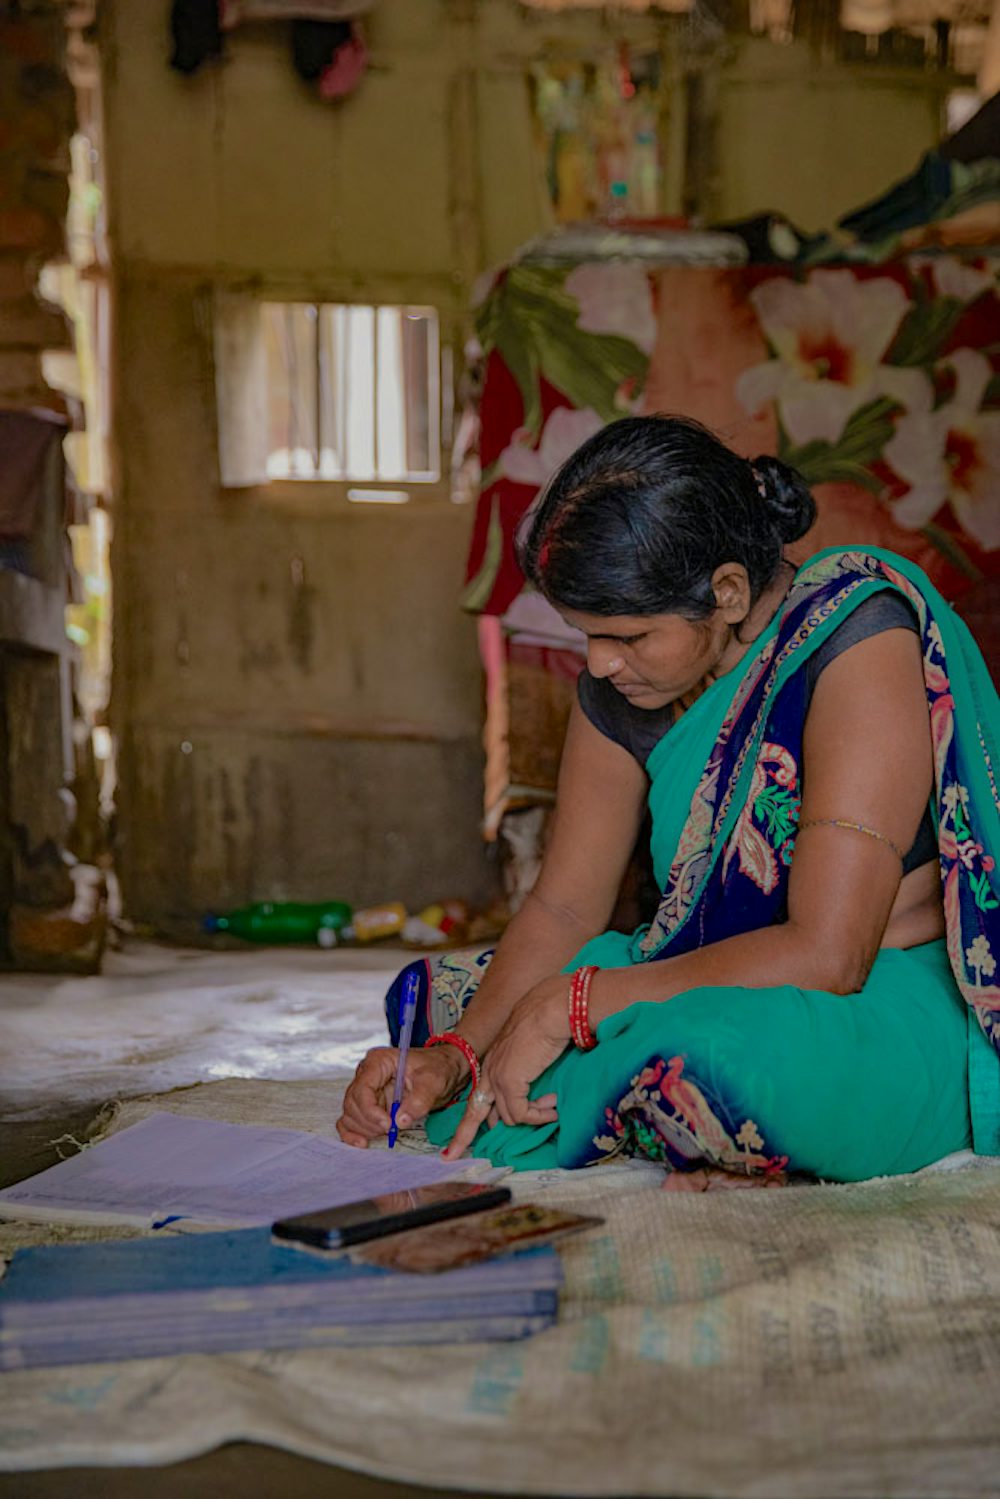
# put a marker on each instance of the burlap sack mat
(806, 1343)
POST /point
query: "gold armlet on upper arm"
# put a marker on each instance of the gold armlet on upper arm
(854, 827)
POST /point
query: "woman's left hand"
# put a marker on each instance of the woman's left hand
(534, 1035)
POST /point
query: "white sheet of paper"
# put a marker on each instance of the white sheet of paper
(169, 1166)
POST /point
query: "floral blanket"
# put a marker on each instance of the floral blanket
(881, 383)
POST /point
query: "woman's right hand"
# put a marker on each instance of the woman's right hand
(433, 1077)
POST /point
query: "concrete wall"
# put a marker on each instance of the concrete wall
(297, 696)
(815, 141)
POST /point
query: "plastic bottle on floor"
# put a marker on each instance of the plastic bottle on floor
(272, 921)
(375, 923)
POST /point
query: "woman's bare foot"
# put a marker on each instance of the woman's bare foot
(713, 1179)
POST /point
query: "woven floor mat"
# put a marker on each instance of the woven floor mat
(806, 1343)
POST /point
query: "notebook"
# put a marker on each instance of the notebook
(219, 1292)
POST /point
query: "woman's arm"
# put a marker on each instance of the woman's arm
(867, 757)
(599, 806)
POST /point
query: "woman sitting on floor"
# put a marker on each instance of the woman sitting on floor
(817, 991)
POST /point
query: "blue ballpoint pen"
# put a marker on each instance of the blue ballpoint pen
(410, 995)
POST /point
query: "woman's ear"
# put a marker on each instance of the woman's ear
(731, 586)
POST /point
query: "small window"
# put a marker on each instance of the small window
(327, 391)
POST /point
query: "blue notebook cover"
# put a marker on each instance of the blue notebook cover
(63, 1304)
(242, 1258)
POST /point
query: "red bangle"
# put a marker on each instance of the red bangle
(579, 1003)
(450, 1038)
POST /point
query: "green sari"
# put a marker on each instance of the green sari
(842, 1087)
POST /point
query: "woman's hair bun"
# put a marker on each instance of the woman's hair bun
(787, 496)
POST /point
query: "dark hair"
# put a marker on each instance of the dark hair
(641, 515)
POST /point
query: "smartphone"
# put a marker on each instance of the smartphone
(375, 1217)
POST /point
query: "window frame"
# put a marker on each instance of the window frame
(239, 362)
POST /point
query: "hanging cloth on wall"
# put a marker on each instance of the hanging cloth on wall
(328, 48)
(346, 70)
(332, 55)
(197, 34)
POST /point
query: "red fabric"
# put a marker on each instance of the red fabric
(502, 415)
(349, 66)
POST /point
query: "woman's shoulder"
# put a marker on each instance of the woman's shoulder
(881, 611)
(638, 730)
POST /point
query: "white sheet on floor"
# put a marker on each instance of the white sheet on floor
(166, 1017)
(789, 1344)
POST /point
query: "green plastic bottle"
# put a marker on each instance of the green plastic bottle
(284, 921)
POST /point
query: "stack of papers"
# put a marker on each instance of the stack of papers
(168, 1170)
(217, 1292)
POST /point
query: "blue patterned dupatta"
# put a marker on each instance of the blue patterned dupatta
(736, 1076)
(729, 874)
